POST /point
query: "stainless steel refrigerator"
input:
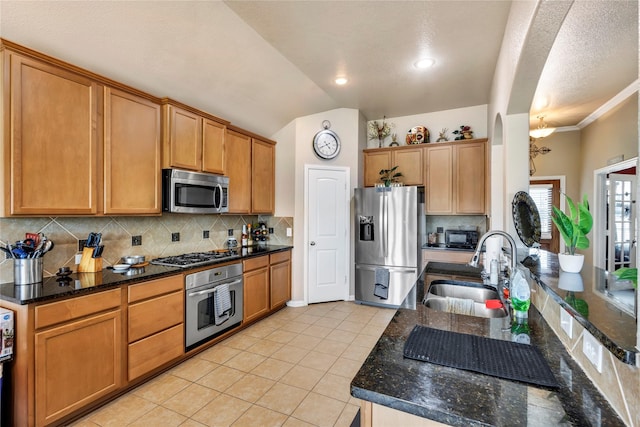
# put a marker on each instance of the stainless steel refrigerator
(389, 224)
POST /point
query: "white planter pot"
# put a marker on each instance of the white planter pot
(571, 263)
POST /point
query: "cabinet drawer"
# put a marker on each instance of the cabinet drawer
(255, 263)
(156, 287)
(156, 350)
(280, 257)
(74, 308)
(154, 315)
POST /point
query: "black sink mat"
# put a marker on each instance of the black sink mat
(502, 359)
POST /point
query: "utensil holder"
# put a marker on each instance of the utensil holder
(27, 271)
(88, 264)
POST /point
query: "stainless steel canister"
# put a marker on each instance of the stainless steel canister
(27, 271)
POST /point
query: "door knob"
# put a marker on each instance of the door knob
(313, 243)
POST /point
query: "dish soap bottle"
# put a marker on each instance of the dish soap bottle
(520, 294)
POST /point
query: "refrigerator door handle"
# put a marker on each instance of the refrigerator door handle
(385, 225)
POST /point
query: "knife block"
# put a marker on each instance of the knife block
(88, 264)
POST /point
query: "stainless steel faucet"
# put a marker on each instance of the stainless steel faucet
(514, 255)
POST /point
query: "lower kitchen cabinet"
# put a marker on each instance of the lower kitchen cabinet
(155, 330)
(78, 360)
(443, 255)
(256, 288)
(280, 278)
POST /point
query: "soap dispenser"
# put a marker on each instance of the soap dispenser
(520, 294)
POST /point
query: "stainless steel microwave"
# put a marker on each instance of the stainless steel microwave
(194, 192)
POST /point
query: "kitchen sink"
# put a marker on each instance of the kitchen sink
(459, 297)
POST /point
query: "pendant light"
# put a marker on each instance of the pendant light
(542, 131)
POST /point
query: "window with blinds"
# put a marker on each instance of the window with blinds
(542, 196)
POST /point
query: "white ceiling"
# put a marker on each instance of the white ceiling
(260, 64)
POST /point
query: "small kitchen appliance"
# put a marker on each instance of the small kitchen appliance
(194, 192)
(461, 239)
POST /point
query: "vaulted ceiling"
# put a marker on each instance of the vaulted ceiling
(260, 64)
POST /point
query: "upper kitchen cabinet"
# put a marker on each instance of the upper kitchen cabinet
(51, 140)
(250, 166)
(456, 178)
(131, 154)
(192, 139)
(409, 160)
(75, 143)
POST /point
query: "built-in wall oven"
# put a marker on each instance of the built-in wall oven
(213, 303)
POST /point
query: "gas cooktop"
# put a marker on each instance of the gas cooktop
(194, 258)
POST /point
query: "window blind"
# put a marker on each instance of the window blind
(542, 196)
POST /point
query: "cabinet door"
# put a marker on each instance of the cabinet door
(469, 164)
(410, 162)
(256, 294)
(280, 284)
(238, 165)
(373, 163)
(213, 146)
(154, 351)
(184, 138)
(54, 143)
(262, 177)
(76, 364)
(439, 180)
(132, 154)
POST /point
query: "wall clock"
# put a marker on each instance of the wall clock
(326, 143)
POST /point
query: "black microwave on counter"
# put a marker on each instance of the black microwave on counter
(465, 239)
(194, 192)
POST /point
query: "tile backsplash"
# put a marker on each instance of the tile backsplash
(156, 234)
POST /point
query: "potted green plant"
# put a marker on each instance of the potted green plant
(574, 229)
(389, 176)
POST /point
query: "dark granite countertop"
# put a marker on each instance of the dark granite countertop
(463, 398)
(445, 248)
(84, 283)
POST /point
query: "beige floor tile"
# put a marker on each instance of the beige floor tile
(336, 314)
(331, 347)
(84, 422)
(245, 361)
(188, 401)
(250, 388)
(193, 369)
(328, 322)
(359, 317)
(259, 416)
(366, 340)
(318, 310)
(219, 353)
(317, 331)
(307, 318)
(345, 367)
(283, 398)
(305, 341)
(274, 322)
(265, 347)
(319, 410)
(350, 326)
(290, 354)
(383, 317)
(192, 423)
(222, 411)
(319, 361)
(295, 327)
(356, 352)
(258, 330)
(240, 341)
(335, 386)
(303, 377)
(294, 422)
(346, 417)
(161, 388)
(159, 416)
(272, 369)
(373, 329)
(342, 336)
(281, 336)
(221, 378)
(122, 411)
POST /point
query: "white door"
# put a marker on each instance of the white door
(621, 248)
(327, 233)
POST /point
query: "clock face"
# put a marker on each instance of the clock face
(326, 144)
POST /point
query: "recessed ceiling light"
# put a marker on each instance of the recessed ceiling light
(341, 81)
(424, 63)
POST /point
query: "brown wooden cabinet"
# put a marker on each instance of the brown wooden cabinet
(53, 158)
(131, 154)
(250, 166)
(409, 160)
(456, 178)
(192, 140)
(280, 279)
(256, 288)
(155, 329)
(78, 360)
(444, 255)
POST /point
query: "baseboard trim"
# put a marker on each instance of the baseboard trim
(296, 303)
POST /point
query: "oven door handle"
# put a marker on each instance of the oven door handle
(211, 290)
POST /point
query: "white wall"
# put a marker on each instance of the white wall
(285, 170)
